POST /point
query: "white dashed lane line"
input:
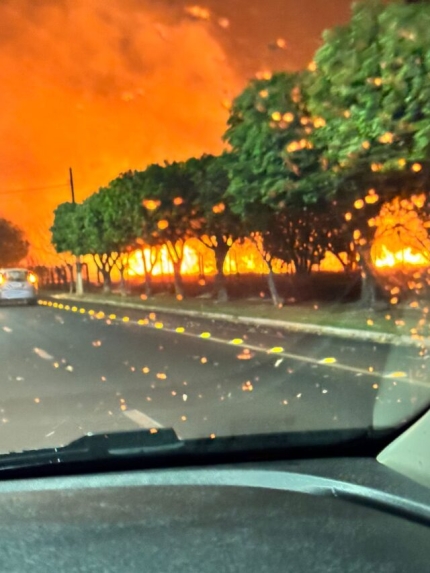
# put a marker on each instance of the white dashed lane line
(141, 419)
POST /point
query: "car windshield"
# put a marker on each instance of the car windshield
(15, 275)
(224, 210)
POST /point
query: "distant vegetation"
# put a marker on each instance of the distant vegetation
(13, 245)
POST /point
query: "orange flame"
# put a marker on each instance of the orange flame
(401, 257)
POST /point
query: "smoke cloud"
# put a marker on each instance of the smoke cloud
(105, 86)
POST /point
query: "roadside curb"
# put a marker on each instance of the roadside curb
(349, 333)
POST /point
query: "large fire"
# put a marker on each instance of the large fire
(243, 259)
(198, 260)
(401, 241)
(401, 238)
(401, 257)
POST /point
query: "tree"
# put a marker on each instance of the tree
(111, 225)
(278, 183)
(67, 231)
(370, 84)
(121, 221)
(129, 216)
(68, 236)
(13, 246)
(168, 195)
(274, 158)
(219, 227)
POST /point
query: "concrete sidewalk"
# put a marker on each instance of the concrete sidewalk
(350, 333)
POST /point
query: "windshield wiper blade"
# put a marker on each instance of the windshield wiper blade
(161, 447)
(98, 447)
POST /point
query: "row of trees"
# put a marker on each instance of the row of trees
(312, 157)
(168, 205)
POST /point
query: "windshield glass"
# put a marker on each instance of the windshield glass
(15, 275)
(225, 208)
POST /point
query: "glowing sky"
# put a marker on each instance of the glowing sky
(108, 85)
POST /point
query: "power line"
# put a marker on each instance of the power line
(29, 189)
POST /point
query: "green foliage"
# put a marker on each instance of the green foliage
(279, 185)
(113, 217)
(218, 223)
(372, 85)
(274, 159)
(67, 230)
(13, 246)
(168, 195)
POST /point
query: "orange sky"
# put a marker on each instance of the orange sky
(105, 86)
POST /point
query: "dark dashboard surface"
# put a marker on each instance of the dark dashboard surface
(311, 516)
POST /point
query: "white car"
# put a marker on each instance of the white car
(18, 285)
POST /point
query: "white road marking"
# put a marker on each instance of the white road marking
(142, 419)
(43, 354)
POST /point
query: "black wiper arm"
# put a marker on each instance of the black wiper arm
(98, 447)
(162, 448)
(131, 443)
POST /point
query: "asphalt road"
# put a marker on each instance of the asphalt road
(69, 369)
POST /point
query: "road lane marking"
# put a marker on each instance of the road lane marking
(279, 351)
(141, 419)
(306, 359)
(43, 354)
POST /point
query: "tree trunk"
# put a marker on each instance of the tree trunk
(277, 300)
(79, 283)
(72, 278)
(176, 252)
(177, 279)
(220, 288)
(107, 283)
(148, 284)
(122, 288)
(346, 266)
(369, 283)
(148, 276)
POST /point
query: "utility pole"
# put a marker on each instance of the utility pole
(72, 187)
(79, 282)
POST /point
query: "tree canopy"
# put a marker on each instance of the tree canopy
(13, 245)
(370, 83)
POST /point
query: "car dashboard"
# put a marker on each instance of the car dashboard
(322, 515)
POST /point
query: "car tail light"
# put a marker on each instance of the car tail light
(32, 278)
